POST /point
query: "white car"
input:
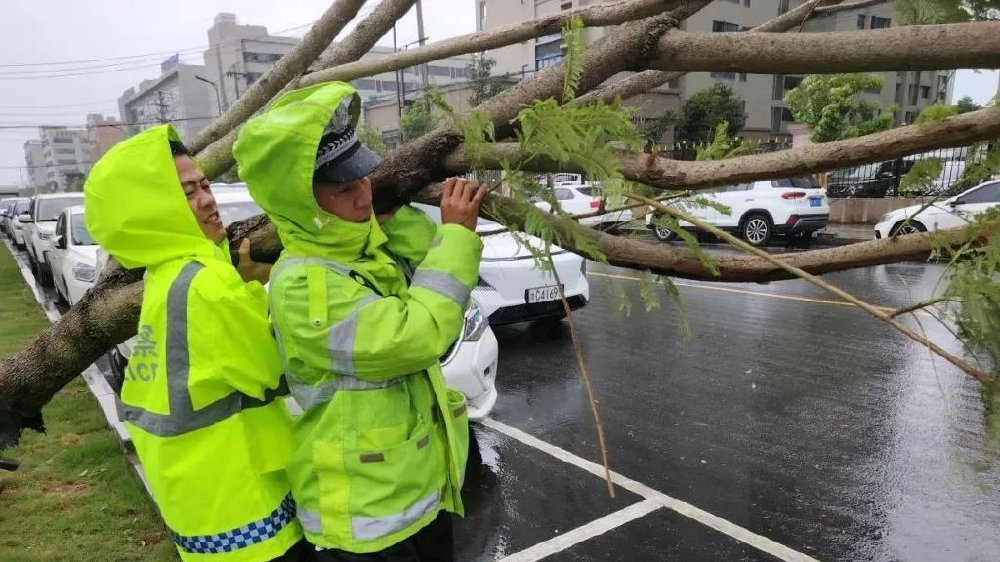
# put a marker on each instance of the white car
(953, 212)
(758, 210)
(73, 258)
(8, 210)
(469, 366)
(39, 227)
(512, 288)
(15, 228)
(576, 197)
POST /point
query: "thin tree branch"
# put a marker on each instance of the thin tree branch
(592, 16)
(326, 28)
(918, 306)
(844, 7)
(875, 311)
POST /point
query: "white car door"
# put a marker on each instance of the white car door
(56, 255)
(972, 203)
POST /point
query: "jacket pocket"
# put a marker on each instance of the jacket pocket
(460, 424)
(393, 488)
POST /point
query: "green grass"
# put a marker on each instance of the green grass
(75, 496)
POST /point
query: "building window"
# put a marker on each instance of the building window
(925, 92)
(724, 75)
(880, 23)
(565, 5)
(792, 82)
(482, 16)
(746, 3)
(724, 27)
(674, 84)
(911, 93)
(874, 90)
(264, 58)
(547, 62)
(861, 21)
(435, 70)
(365, 84)
(743, 77)
(909, 117)
(737, 2)
(548, 51)
(782, 7)
(253, 77)
(786, 115)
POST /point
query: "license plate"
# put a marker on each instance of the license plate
(542, 294)
(815, 201)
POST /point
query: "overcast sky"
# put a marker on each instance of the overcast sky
(91, 37)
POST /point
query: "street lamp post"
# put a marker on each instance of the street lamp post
(218, 100)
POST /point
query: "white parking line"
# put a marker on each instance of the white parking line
(759, 542)
(584, 532)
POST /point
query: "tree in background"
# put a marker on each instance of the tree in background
(832, 106)
(417, 120)
(966, 105)
(704, 110)
(653, 129)
(372, 138)
(481, 80)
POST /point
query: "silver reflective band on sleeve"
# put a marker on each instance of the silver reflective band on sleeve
(310, 520)
(183, 418)
(442, 283)
(342, 336)
(309, 396)
(372, 528)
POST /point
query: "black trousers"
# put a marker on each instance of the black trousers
(433, 543)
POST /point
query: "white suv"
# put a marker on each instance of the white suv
(951, 213)
(39, 227)
(759, 210)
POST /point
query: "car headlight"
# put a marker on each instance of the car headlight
(84, 272)
(475, 323)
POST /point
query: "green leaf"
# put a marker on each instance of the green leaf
(921, 176)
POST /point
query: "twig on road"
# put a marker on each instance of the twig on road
(918, 306)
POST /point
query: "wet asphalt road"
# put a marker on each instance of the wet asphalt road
(802, 421)
(806, 422)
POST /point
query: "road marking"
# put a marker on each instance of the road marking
(744, 291)
(585, 532)
(746, 536)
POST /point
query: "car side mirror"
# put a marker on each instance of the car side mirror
(59, 241)
(24, 218)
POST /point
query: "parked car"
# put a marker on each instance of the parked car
(577, 197)
(73, 258)
(7, 206)
(469, 365)
(512, 288)
(950, 213)
(758, 210)
(39, 227)
(11, 225)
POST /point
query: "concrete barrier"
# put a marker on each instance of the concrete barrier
(868, 211)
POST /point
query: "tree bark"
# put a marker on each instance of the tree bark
(288, 67)
(915, 47)
(980, 125)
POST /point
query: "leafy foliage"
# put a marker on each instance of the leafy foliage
(654, 129)
(982, 169)
(966, 104)
(921, 175)
(723, 146)
(833, 108)
(704, 110)
(372, 138)
(572, 35)
(910, 12)
(481, 80)
(935, 112)
(417, 120)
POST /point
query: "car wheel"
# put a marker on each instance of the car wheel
(663, 234)
(757, 229)
(907, 227)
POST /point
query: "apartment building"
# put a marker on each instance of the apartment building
(34, 162)
(767, 115)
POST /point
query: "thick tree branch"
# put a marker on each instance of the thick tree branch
(959, 130)
(287, 68)
(914, 47)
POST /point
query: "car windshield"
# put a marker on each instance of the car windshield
(49, 209)
(801, 182)
(80, 235)
(232, 212)
(21, 207)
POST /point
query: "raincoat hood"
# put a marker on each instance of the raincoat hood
(276, 153)
(135, 206)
